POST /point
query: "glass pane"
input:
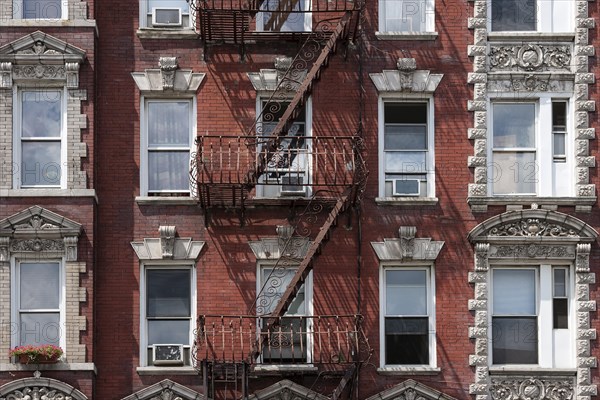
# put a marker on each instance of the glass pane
(406, 341)
(403, 137)
(560, 311)
(559, 144)
(405, 161)
(168, 124)
(40, 163)
(182, 4)
(559, 114)
(42, 9)
(514, 292)
(40, 328)
(39, 286)
(277, 282)
(513, 15)
(276, 19)
(560, 279)
(41, 114)
(514, 341)
(514, 125)
(405, 15)
(169, 332)
(514, 172)
(406, 292)
(286, 342)
(405, 113)
(168, 170)
(168, 293)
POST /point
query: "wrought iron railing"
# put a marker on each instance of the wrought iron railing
(276, 6)
(335, 339)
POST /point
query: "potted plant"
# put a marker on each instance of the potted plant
(43, 354)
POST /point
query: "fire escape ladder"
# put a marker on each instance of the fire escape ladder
(295, 106)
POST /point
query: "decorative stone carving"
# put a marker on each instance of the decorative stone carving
(37, 392)
(284, 233)
(533, 227)
(5, 75)
(532, 251)
(36, 245)
(532, 389)
(39, 72)
(166, 394)
(72, 71)
(4, 242)
(71, 248)
(407, 247)
(167, 240)
(582, 264)
(481, 256)
(37, 223)
(410, 390)
(38, 48)
(529, 57)
(168, 66)
(531, 83)
(406, 78)
(407, 236)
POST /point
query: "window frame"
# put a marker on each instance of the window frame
(15, 317)
(429, 22)
(17, 136)
(144, 346)
(546, 335)
(430, 153)
(18, 11)
(307, 23)
(545, 23)
(145, 148)
(546, 164)
(145, 13)
(431, 309)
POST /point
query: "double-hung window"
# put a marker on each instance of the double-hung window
(406, 16)
(39, 308)
(174, 14)
(407, 150)
(39, 9)
(167, 134)
(408, 322)
(40, 137)
(531, 15)
(289, 340)
(284, 16)
(167, 315)
(532, 316)
(530, 148)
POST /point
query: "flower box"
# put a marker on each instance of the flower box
(44, 354)
(39, 359)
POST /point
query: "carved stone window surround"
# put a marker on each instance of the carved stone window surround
(40, 387)
(166, 390)
(411, 390)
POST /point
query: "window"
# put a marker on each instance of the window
(165, 14)
(168, 312)
(39, 303)
(530, 148)
(287, 171)
(289, 341)
(406, 16)
(532, 15)
(40, 134)
(407, 150)
(167, 134)
(284, 16)
(39, 9)
(408, 325)
(531, 316)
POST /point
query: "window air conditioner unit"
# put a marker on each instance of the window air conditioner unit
(166, 17)
(167, 354)
(293, 185)
(406, 187)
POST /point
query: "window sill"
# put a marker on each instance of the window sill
(581, 204)
(406, 35)
(531, 370)
(166, 201)
(48, 193)
(408, 371)
(187, 370)
(71, 23)
(167, 33)
(60, 366)
(406, 201)
(280, 369)
(536, 36)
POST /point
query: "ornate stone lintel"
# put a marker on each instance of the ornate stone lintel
(71, 248)
(6, 75)
(37, 245)
(72, 71)
(532, 388)
(530, 57)
(167, 240)
(407, 236)
(168, 66)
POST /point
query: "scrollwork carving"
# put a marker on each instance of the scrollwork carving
(37, 392)
(532, 227)
(39, 72)
(36, 222)
(532, 251)
(529, 57)
(531, 389)
(167, 394)
(37, 245)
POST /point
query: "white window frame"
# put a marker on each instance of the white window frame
(18, 11)
(15, 298)
(553, 16)
(429, 15)
(166, 265)
(548, 171)
(145, 13)
(264, 97)
(308, 299)
(430, 157)
(431, 310)
(549, 356)
(17, 117)
(307, 25)
(144, 148)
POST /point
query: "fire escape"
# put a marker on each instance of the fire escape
(327, 172)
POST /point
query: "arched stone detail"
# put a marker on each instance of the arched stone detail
(286, 390)
(411, 390)
(532, 235)
(40, 388)
(166, 390)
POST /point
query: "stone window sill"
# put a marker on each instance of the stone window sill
(532, 36)
(60, 366)
(406, 35)
(71, 23)
(48, 193)
(407, 201)
(581, 204)
(167, 370)
(166, 201)
(531, 370)
(284, 369)
(166, 33)
(408, 371)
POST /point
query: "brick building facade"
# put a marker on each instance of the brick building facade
(299, 200)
